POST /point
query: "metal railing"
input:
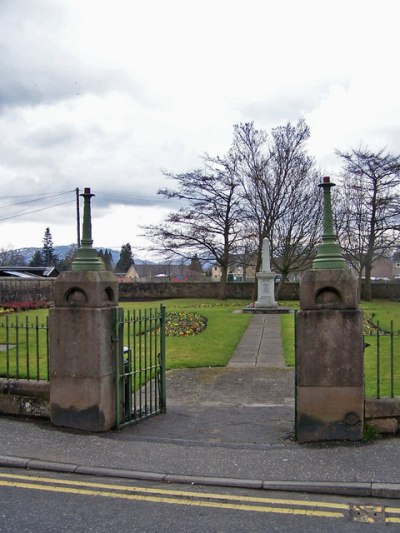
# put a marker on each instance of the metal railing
(382, 363)
(140, 390)
(24, 348)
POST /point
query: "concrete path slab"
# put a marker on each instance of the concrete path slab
(261, 344)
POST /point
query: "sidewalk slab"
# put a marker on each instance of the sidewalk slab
(261, 344)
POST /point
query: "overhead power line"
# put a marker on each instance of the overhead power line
(124, 198)
(36, 210)
(44, 197)
(38, 199)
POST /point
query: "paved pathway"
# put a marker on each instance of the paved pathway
(261, 344)
(249, 401)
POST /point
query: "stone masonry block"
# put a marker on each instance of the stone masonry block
(87, 403)
(81, 342)
(329, 348)
(382, 408)
(385, 425)
(86, 289)
(328, 289)
(329, 413)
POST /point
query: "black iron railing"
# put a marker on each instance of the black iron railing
(24, 348)
(382, 363)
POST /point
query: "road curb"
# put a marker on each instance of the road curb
(365, 489)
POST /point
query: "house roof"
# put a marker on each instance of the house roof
(160, 270)
(29, 272)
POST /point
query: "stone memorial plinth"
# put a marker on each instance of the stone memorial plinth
(265, 281)
(266, 302)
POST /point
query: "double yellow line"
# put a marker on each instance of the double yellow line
(191, 498)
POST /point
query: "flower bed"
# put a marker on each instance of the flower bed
(184, 324)
(4, 311)
(10, 307)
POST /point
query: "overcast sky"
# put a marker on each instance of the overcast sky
(108, 93)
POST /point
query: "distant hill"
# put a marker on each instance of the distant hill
(62, 250)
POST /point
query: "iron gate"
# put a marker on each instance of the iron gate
(140, 364)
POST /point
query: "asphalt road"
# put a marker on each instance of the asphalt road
(43, 502)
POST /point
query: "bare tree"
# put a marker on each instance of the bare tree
(209, 222)
(296, 234)
(369, 208)
(245, 254)
(66, 262)
(251, 148)
(280, 192)
(12, 258)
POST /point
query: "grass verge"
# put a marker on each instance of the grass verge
(215, 345)
(382, 373)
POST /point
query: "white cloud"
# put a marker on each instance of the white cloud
(106, 94)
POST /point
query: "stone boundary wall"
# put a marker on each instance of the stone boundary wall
(383, 414)
(160, 290)
(389, 290)
(14, 289)
(23, 397)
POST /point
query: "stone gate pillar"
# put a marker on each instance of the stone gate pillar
(82, 362)
(329, 354)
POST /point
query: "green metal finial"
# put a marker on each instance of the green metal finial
(86, 257)
(329, 254)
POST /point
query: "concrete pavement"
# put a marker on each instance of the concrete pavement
(261, 345)
(230, 426)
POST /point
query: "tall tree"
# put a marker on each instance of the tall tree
(209, 222)
(246, 254)
(37, 259)
(49, 257)
(280, 192)
(250, 144)
(106, 257)
(108, 260)
(296, 233)
(370, 208)
(125, 259)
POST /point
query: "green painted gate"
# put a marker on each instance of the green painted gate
(140, 364)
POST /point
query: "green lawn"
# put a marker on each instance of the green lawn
(212, 347)
(23, 337)
(382, 354)
(383, 311)
(379, 311)
(215, 345)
